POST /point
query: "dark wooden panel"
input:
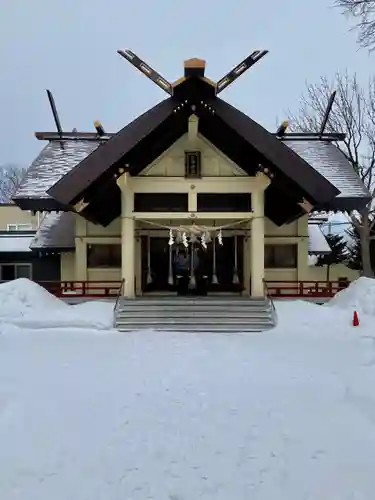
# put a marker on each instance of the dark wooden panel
(224, 202)
(161, 202)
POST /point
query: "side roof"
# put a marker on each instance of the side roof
(331, 163)
(57, 231)
(52, 163)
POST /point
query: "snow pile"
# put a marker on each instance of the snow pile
(359, 296)
(23, 303)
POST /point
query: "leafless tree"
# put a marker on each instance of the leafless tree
(10, 179)
(364, 13)
(353, 113)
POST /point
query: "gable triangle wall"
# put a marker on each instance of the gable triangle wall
(172, 162)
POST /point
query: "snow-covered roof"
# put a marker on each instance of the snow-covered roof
(15, 242)
(57, 230)
(51, 165)
(318, 218)
(330, 162)
(318, 244)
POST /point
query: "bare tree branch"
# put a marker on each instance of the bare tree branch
(364, 13)
(353, 113)
(10, 179)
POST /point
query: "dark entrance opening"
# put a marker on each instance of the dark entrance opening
(156, 265)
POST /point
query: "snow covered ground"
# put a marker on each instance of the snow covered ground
(87, 413)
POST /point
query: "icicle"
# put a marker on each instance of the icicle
(149, 275)
(170, 272)
(192, 280)
(171, 240)
(185, 240)
(235, 280)
(215, 281)
(220, 237)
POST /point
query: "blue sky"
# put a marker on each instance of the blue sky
(70, 47)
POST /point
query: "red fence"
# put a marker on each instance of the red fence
(277, 289)
(305, 289)
(100, 289)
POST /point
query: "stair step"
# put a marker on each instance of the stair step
(201, 321)
(197, 328)
(195, 314)
(190, 307)
(198, 313)
(190, 303)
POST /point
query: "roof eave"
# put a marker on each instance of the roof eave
(346, 204)
(89, 170)
(40, 204)
(316, 186)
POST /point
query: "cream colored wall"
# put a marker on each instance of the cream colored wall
(88, 233)
(67, 266)
(11, 214)
(295, 232)
(336, 271)
(172, 162)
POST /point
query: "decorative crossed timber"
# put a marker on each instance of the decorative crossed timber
(144, 68)
(193, 67)
(239, 70)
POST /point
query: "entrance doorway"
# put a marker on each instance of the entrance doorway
(156, 269)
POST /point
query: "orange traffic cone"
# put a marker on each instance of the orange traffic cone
(355, 319)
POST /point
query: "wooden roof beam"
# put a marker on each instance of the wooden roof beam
(147, 70)
(239, 70)
(68, 136)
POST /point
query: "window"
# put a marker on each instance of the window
(10, 272)
(224, 202)
(19, 227)
(102, 255)
(193, 164)
(280, 256)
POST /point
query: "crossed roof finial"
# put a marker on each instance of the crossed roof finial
(192, 67)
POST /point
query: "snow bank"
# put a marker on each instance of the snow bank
(25, 304)
(22, 296)
(359, 296)
(180, 416)
(300, 316)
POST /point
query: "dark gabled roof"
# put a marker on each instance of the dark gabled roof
(240, 138)
(57, 231)
(49, 167)
(271, 151)
(160, 126)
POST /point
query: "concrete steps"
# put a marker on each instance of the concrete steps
(195, 314)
